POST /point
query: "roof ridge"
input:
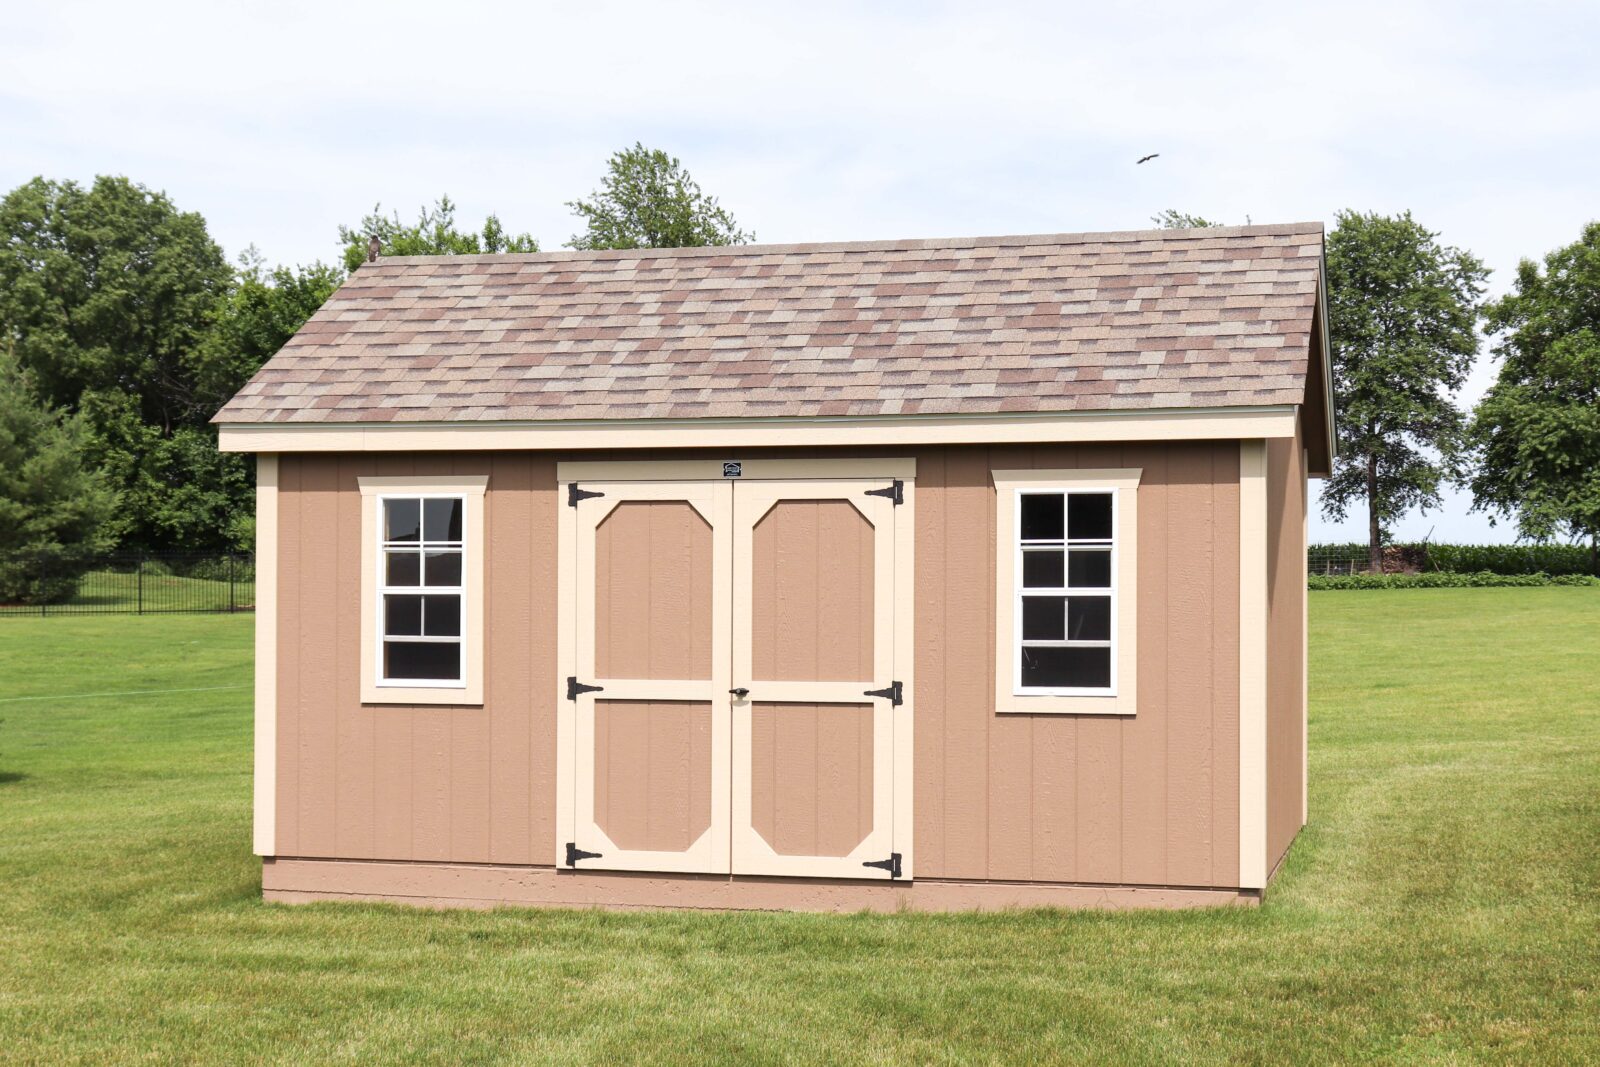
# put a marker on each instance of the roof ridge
(900, 244)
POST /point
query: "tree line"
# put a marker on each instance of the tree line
(124, 327)
(1403, 317)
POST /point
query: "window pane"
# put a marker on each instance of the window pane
(1041, 516)
(1089, 516)
(1044, 618)
(442, 520)
(443, 568)
(436, 661)
(1089, 568)
(443, 616)
(405, 568)
(402, 616)
(1089, 618)
(1066, 668)
(402, 519)
(1042, 570)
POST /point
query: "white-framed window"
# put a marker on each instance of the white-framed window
(1066, 592)
(422, 590)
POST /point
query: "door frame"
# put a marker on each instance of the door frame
(862, 469)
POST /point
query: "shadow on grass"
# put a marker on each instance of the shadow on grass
(12, 776)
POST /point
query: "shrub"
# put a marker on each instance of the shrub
(1445, 580)
(1470, 559)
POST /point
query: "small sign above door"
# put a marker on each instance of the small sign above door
(733, 470)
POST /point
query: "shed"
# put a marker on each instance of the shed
(933, 574)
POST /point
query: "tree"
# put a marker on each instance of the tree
(50, 503)
(1401, 312)
(262, 311)
(433, 234)
(108, 290)
(647, 200)
(1172, 219)
(1537, 429)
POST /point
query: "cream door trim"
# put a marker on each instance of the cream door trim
(688, 470)
(1167, 424)
(709, 853)
(265, 793)
(471, 488)
(892, 726)
(1124, 698)
(1252, 664)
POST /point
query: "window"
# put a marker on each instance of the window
(1065, 591)
(422, 590)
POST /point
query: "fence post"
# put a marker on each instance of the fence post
(139, 570)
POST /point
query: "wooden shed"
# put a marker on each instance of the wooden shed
(931, 574)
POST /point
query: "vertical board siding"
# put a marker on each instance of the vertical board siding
(652, 773)
(1286, 591)
(653, 591)
(811, 784)
(812, 593)
(469, 784)
(1150, 799)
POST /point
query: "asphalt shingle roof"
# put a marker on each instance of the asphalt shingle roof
(1067, 322)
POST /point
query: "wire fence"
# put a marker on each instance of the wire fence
(154, 583)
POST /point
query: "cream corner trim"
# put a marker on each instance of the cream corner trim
(737, 433)
(471, 488)
(1252, 664)
(1124, 697)
(265, 792)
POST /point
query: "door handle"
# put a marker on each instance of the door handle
(740, 692)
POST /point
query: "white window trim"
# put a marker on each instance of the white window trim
(375, 689)
(1122, 696)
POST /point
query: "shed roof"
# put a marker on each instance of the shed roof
(1208, 318)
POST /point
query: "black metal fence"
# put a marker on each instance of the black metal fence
(127, 584)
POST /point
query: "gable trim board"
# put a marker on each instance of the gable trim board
(1199, 424)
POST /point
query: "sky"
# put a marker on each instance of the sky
(822, 121)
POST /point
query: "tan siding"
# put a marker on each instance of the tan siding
(812, 609)
(1286, 591)
(653, 592)
(652, 773)
(402, 782)
(811, 777)
(1150, 800)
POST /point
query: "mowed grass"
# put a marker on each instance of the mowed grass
(1443, 905)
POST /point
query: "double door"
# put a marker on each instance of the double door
(735, 673)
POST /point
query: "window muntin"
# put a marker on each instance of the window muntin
(420, 591)
(1065, 600)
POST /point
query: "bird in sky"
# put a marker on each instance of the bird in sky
(1148, 158)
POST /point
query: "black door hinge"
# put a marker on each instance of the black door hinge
(892, 864)
(574, 854)
(574, 494)
(896, 492)
(574, 687)
(895, 694)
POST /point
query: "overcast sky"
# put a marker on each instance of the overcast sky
(819, 121)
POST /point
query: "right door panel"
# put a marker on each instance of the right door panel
(813, 636)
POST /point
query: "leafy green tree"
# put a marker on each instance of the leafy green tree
(1172, 219)
(50, 502)
(433, 234)
(647, 200)
(262, 311)
(1401, 312)
(108, 290)
(1538, 428)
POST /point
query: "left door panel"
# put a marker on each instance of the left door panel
(650, 608)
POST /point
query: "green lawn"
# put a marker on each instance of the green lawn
(1444, 904)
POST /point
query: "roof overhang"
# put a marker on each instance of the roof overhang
(1172, 424)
